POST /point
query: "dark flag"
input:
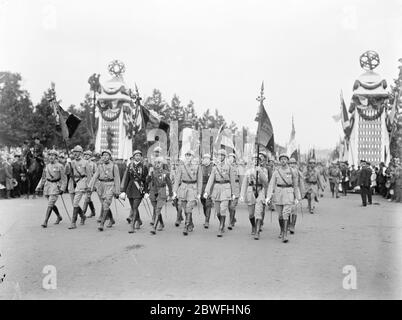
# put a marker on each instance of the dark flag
(68, 122)
(151, 120)
(295, 155)
(265, 132)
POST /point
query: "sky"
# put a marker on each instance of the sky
(214, 52)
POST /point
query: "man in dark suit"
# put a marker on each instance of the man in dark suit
(364, 181)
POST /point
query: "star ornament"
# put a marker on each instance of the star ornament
(369, 60)
(116, 68)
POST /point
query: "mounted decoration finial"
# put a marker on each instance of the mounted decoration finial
(261, 98)
(369, 60)
(116, 68)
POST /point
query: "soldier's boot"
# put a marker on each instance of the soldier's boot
(258, 230)
(292, 223)
(207, 216)
(132, 226)
(179, 218)
(92, 208)
(56, 211)
(285, 231)
(262, 219)
(82, 216)
(111, 220)
(191, 224)
(281, 225)
(74, 219)
(137, 220)
(221, 226)
(103, 217)
(231, 218)
(252, 221)
(153, 218)
(160, 223)
(153, 230)
(85, 206)
(47, 216)
(186, 224)
(130, 217)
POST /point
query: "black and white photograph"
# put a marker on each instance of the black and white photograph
(204, 151)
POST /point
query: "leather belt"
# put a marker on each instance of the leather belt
(284, 186)
(55, 180)
(252, 184)
(237, 180)
(106, 180)
(189, 181)
(315, 182)
(223, 181)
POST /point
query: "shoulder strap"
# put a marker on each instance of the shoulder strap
(287, 184)
(185, 168)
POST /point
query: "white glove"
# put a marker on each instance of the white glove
(146, 196)
(68, 160)
(296, 202)
(123, 196)
(206, 195)
(199, 197)
(233, 197)
(241, 199)
(174, 195)
(267, 201)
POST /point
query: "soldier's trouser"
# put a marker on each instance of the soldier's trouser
(207, 206)
(134, 204)
(284, 211)
(158, 205)
(334, 188)
(88, 201)
(232, 209)
(187, 207)
(77, 198)
(309, 201)
(365, 193)
(221, 207)
(345, 187)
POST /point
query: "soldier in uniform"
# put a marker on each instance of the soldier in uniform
(284, 189)
(253, 194)
(134, 185)
(88, 200)
(81, 172)
(53, 182)
(345, 177)
(206, 169)
(334, 177)
(187, 188)
(293, 217)
(222, 179)
(312, 183)
(38, 151)
(158, 180)
(70, 180)
(179, 210)
(107, 182)
(233, 202)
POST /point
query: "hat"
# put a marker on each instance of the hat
(311, 161)
(158, 149)
(189, 152)
(292, 160)
(222, 152)
(78, 149)
(283, 155)
(206, 155)
(52, 152)
(137, 152)
(88, 152)
(107, 151)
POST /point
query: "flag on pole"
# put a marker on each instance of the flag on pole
(345, 118)
(151, 120)
(265, 132)
(292, 149)
(68, 122)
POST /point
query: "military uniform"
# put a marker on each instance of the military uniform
(88, 200)
(300, 183)
(334, 177)
(283, 189)
(345, 178)
(53, 182)
(253, 194)
(107, 181)
(187, 187)
(206, 202)
(179, 210)
(158, 180)
(233, 202)
(134, 184)
(312, 184)
(222, 184)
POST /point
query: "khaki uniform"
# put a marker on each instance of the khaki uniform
(334, 177)
(312, 183)
(82, 172)
(157, 181)
(53, 181)
(284, 189)
(206, 203)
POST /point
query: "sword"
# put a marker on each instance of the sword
(146, 209)
(65, 208)
(115, 206)
(120, 202)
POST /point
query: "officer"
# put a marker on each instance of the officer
(312, 183)
(158, 180)
(134, 185)
(70, 180)
(88, 200)
(179, 210)
(222, 179)
(53, 182)
(206, 168)
(293, 217)
(253, 194)
(81, 173)
(107, 181)
(284, 190)
(233, 202)
(335, 176)
(187, 188)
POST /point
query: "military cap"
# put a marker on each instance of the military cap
(52, 152)
(311, 161)
(222, 152)
(206, 155)
(88, 152)
(137, 152)
(292, 160)
(78, 148)
(283, 155)
(189, 152)
(107, 151)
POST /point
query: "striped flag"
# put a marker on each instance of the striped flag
(151, 120)
(345, 118)
(292, 148)
(265, 132)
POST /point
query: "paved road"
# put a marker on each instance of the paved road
(114, 264)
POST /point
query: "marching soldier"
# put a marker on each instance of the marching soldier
(284, 189)
(88, 200)
(179, 210)
(81, 173)
(107, 182)
(158, 180)
(187, 188)
(293, 217)
(222, 179)
(253, 194)
(233, 202)
(53, 182)
(70, 180)
(335, 176)
(206, 169)
(312, 183)
(345, 177)
(134, 185)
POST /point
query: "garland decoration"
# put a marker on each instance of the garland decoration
(369, 116)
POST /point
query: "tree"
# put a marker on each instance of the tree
(88, 114)
(15, 110)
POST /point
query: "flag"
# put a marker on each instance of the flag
(292, 141)
(265, 132)
(151, 120)
(68, 122)
(345, 118)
